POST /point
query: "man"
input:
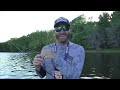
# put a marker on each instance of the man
(62, 59)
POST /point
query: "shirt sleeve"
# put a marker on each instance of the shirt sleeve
(41, 73)
(71, 71)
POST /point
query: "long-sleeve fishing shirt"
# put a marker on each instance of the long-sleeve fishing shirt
(70, 68)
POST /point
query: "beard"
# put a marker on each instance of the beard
(63, 38)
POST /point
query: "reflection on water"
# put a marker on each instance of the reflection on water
(97, 66)
(16, 66)
(102, 66)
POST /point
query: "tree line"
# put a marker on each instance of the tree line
(104, 33)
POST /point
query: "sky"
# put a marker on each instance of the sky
(15, 24)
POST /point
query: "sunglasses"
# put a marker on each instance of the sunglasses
(60, 28)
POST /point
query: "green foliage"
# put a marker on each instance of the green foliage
(32, 42)
(115, 17)
(104, 20)
(77, 23)
(104, 33)
(77, 26)
(102, 25)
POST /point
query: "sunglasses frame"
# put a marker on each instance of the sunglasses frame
(60, 28)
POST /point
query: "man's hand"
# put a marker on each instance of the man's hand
(37, 62)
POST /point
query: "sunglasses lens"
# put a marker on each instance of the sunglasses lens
(66, 28)
(58, 29)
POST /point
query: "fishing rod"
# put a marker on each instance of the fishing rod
(42, 66)
(30, 50)
(17, 47)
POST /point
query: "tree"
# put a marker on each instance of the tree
(103, 23)
(77, 25)
(114, 30)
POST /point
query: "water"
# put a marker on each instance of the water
(97, 66)
(102, 66)
(16, 66)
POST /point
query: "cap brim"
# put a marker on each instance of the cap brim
(61, 22)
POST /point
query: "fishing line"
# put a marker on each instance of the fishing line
(30, 50)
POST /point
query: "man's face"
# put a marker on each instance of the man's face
(62, 32)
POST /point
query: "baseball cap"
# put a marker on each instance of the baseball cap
(61, 19)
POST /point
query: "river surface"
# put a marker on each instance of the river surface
(16, 66)
(96, 66)
(102, 65)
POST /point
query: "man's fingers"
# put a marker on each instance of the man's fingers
(38, 56)
(37, 62)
